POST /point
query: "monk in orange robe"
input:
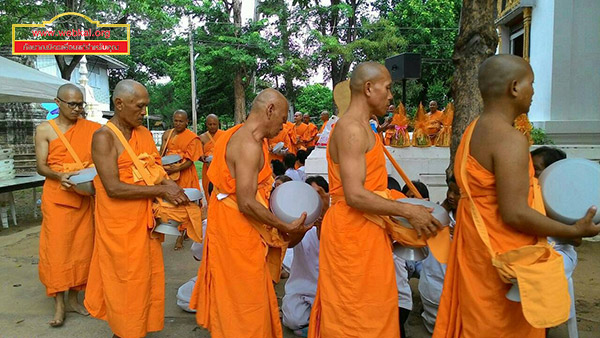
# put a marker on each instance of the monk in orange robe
(184, 142)
(434, 120)
(126, 280)
(357, 294)
(209, 138)
(310, 137)
(500, 195)
(244, 243)
(324, 119)
(300, 130)
(295, 144)
(283, 136)
(63, 147)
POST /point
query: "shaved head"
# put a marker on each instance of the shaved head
(126, 89)
(370, 86)
(270, 109)
(499, 72)
(266, 97)
(130, 99)
(212, 123)
(365, 72)
(67, 89)
(212, 117)
(180, 112)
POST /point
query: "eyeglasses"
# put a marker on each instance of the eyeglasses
(73, 105)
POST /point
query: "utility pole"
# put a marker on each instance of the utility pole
(193, 78)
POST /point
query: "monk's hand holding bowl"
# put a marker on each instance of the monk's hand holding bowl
(297, 226)
(173, 193)
(585, 227)
(64, 180)
(423, 221)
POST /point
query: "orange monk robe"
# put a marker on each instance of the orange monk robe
(473, 302)
(310, 137)
(356, 293)
(300, 130)
(208, 151)
(234, 294)
(67, 234)
(188, 145)
(127, 278)
(434, 123)
(291, 128)
(322, 128)
(283, 136)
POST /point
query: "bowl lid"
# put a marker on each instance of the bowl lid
(193, 194)
(85, 175)
(170, 159)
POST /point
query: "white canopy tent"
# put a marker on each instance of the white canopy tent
(19, 83)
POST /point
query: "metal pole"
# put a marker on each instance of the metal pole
(193, 78)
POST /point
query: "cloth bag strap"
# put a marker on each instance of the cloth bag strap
(64, 140)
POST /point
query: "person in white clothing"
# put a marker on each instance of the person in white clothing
(184, 293)
(301, 287)
(289, 160)
(433, 272)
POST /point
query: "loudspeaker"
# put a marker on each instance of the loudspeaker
(404, 66)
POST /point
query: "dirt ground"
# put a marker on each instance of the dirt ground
(25, 310)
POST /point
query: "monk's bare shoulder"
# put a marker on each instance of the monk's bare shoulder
(44, 130)
(350, 132)
(204, 138)
(510, 140)
(102, 137)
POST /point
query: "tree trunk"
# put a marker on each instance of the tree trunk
(66, 69)
(239, 91)
(477, 40)
(240, 98)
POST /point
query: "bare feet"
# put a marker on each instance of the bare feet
(59, 310)
(75, 306)
(179, 243)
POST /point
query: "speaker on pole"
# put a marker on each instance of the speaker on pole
(404, 66)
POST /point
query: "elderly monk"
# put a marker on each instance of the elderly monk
(245, 242)
(63, 147)
(126, 281)
(209, 138)
(357, 294)
(434, 120)
(310, 137)
(496, 178)
(300, 131)
(324, 116)
(184, 142)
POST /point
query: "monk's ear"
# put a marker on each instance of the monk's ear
(513, 90)
(368, 88)
(118, 103)
(270, 110)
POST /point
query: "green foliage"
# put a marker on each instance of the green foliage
(313, 99)
(282, 49)
(539, 136)
(430, 28)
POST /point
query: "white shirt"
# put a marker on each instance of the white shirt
(294, 174)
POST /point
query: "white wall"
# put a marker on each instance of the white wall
(576, 63)
(541, 55)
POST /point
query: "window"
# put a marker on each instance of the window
(516, 42)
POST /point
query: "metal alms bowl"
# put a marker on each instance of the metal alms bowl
(83, 180)
(290, 199)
